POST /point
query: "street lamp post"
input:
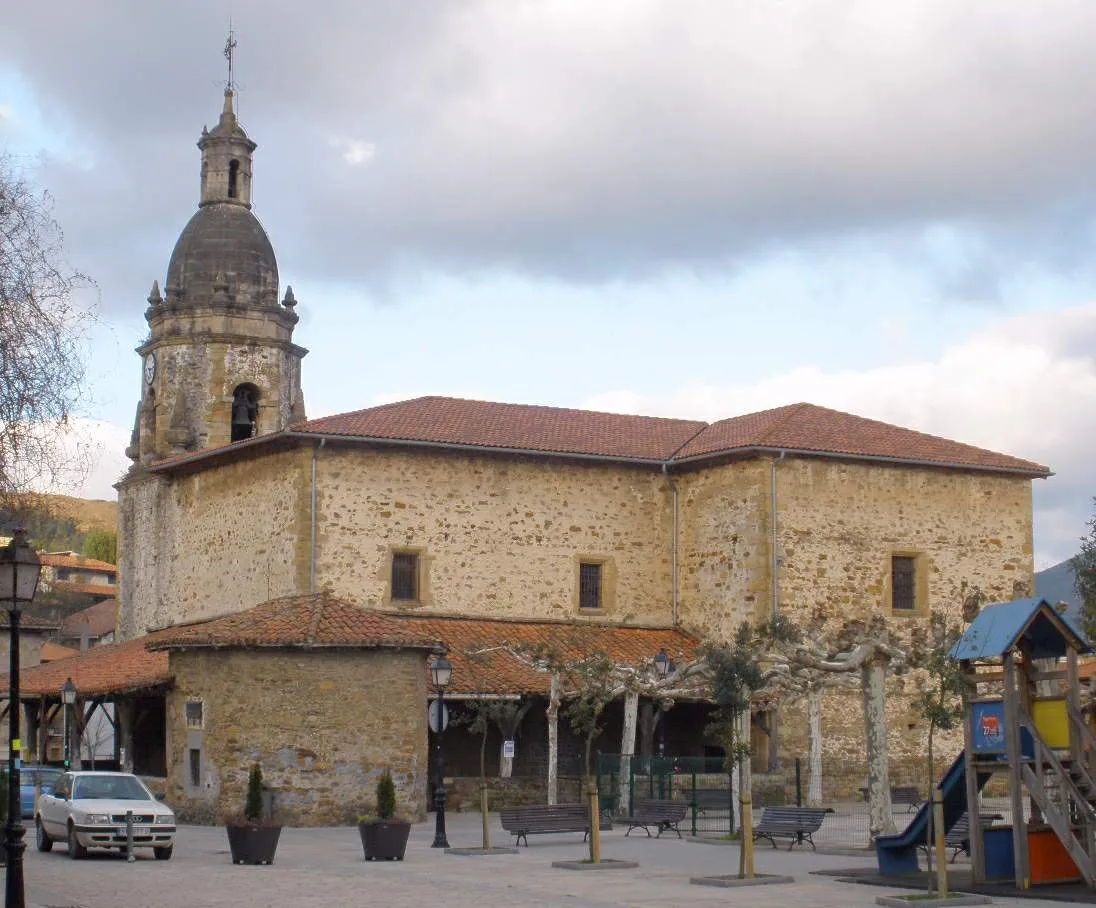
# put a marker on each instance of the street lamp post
(19, 568)
(662, 666)
(442, 672)
(68, 697)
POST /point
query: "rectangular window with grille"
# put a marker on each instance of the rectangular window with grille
(194, 718)
(195, 767)
(903, 586)
(589, 585)
(405, 576)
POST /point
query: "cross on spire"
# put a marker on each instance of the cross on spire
(230, 55)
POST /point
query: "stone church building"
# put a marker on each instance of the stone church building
(284, 580)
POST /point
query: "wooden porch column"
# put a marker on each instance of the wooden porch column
(32, 712)
(126, 715)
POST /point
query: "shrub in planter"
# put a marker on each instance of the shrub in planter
(253, 838)
(384, 837)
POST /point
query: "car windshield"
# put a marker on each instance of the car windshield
(43, 777)
(120, 788)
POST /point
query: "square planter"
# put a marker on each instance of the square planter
(253, 844)
(384, 840)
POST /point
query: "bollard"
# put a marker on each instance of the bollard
(129, 837)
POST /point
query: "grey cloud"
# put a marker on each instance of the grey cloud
(586, 142)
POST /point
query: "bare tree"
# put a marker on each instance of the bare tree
(42, 332)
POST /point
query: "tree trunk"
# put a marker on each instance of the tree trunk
(553, 741)
(873, 679)
(627, 747)
(814, 723)
(930, 841)
(745, 770)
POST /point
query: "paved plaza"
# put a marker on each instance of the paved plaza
(324, 867)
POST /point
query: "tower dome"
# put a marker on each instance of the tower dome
(223, 250)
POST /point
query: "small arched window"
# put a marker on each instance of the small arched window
(233, 178)
(245, 412)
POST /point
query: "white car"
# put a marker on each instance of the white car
(88, 810)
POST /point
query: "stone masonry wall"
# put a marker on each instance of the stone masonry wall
(213, 542)
(724, 547)
(496, 537)
(323, 724)
(840, 523)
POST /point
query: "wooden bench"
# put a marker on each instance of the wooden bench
(543, 818)
(795, 823)
(958, 836)
(900, 794)
(663, 814)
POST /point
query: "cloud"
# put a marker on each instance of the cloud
(354, 151)
(1024, 385)
(588, 142)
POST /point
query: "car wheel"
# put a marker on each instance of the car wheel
(43, 841)
(75, 849)
(163, 854)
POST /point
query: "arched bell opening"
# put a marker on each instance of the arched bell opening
(245, 412)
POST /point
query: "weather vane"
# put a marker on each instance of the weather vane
(230, 55)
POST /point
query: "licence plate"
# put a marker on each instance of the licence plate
(141, 830)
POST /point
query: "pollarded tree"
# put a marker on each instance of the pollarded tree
(42, 329)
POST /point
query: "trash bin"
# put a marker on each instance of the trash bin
(1000, 858)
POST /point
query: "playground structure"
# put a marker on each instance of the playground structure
(1022, 720)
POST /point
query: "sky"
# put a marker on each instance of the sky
(691, 208)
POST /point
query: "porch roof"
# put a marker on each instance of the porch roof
(486, 653)
(110, 668)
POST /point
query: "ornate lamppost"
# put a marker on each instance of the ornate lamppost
(442, 672)
(662, 666)
(68, 697)
(19, 569)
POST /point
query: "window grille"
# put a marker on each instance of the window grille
(405, 571)
(194, 716)
(903, 596)
(195, 767)
(589, 585)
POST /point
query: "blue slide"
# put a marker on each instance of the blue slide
(897, 854)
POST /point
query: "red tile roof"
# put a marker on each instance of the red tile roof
(84, 589)
(77, 562)
(110, 668)
(447, 422)
(482, 424)
(99, 620)
(313, 621)
(808, 428)
(487, 654)
(51, 652)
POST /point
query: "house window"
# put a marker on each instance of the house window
(589, 585)
(194, 718)
(903, 583)
(405, 576)
(195, 762)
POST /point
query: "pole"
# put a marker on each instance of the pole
(13, 885)
(798, 783)
(939, 844)
(440, 841)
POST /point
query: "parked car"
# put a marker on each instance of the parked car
(88, 810)
(30, 777)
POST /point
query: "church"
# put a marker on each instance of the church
(284, 581)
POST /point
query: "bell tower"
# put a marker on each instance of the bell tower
(219, 364)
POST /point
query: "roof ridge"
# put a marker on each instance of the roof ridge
(792, 410)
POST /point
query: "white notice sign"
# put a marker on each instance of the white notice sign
(508, 749)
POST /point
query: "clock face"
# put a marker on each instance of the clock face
(150, 368)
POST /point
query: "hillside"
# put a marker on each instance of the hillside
(87, 514)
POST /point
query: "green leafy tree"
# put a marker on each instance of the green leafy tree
(102, 545)
(1084, 576)
(479, 716)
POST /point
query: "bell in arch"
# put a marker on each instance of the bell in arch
(245, 412)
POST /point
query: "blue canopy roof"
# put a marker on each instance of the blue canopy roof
(999, 627)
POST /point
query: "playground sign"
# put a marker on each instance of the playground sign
(988, 726)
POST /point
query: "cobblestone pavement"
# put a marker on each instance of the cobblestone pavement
(324, 867)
